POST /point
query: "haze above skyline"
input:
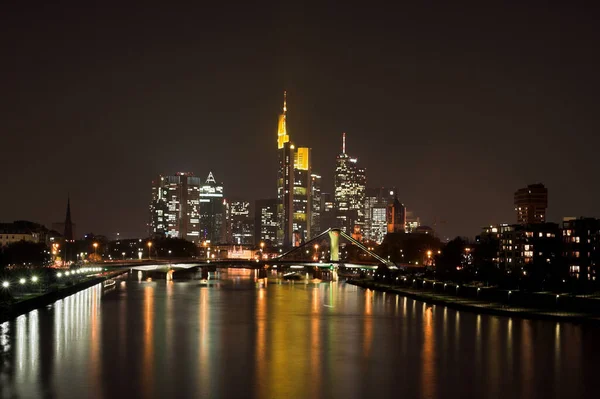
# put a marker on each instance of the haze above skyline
(457, 106)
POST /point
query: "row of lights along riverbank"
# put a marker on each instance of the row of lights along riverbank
(35, 279)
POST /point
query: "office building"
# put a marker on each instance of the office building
(531, 203)
(315, 200)
(302, 198)
(175, 206)
(376, 203)
(349, 195)
(240, 224)
(266, 224)
(212, 211)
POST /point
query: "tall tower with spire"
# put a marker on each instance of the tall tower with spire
(285, 180)
(68, 232)
(294, 193)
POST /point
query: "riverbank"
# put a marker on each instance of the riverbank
(479, 306)
(27, 305)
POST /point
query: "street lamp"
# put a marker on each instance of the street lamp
(5, 284)
(95, 250)
(149, 249)
(123, 253)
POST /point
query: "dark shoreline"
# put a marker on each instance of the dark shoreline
(482, 307)
(37, 302)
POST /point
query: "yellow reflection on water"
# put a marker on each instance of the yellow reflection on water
(368, 323)
(148, 354)
(261, 341)
(428, 382)
(204, 341)
(315, 349)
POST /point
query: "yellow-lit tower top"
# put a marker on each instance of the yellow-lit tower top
(282, 136)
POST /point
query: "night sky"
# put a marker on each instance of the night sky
(456, 104)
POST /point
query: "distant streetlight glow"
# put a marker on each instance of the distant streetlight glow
(5, 284)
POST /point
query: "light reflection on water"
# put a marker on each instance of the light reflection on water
(241, 338)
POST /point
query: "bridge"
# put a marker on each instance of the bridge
(320, 252)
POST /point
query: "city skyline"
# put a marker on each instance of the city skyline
(496, 117)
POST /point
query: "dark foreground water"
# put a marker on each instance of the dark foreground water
(235, 339)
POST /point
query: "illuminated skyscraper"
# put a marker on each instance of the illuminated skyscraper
(349, 195)
(293, 187)
(376, 203)
(315, 218)
(265, 221)
(212, 211)
(241, 227)
(302, 198)
(285, 180)
(174, 210)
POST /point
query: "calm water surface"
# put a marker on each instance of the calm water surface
(237, 339)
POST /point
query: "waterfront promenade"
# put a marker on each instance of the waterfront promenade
(482, 306)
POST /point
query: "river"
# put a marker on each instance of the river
(236, 338)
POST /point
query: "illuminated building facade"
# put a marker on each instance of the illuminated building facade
(315, 199)
(266, 225)
(531, 203)
(376, 203)
(212, 211)
(396, 216)
(302, 198)
(349, 196)
(240, 224)
(175, 206)
(581, 247)
(293, 187)
(525, 249)
(412, 222)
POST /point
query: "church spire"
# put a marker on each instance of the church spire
(68, 233)
(284, 102)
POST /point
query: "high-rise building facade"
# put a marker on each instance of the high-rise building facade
(175, 206)
(349, 196)
(327, 219)
(241, 226)
(212, 211)
(376, 203)
(293, 187)
(266, 223)
(302, 198)
(531, 203)
(315, 197)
